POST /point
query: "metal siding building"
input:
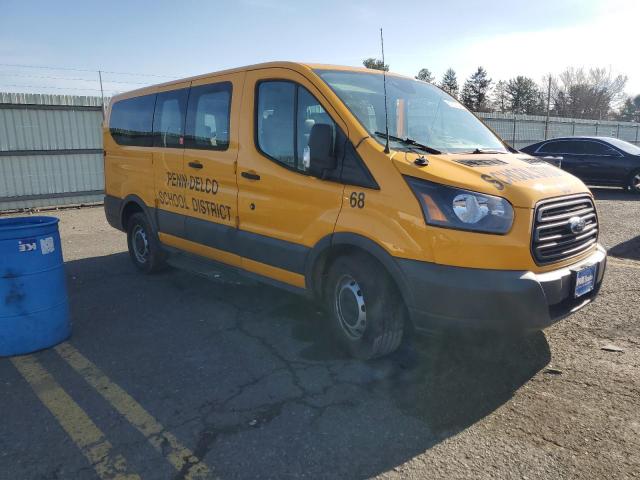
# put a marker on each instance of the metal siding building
(50, 150)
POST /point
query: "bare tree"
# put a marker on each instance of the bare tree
(592, 94)
(500, 99)
(375, 64)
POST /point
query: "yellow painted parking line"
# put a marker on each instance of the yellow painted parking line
(166, 443)
(84, 433)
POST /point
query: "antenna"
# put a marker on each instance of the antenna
(384, 80)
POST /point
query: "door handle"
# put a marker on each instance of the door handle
(250, 175)
(195, 164)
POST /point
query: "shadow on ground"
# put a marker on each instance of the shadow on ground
(629, 249)
(247, 377)
(617, 194)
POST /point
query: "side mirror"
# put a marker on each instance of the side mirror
(321, 152)
(555, 161)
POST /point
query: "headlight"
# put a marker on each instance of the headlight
(452, 207)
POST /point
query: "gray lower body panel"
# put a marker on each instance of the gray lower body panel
(445, 296)
(113, 211)
(260, 248)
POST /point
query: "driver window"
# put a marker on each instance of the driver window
(286, 114)
(310, 113)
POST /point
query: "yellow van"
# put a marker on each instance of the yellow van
(414, 215)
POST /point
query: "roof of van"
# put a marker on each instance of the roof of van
(282, 64)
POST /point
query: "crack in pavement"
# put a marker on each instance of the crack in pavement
(261, 415)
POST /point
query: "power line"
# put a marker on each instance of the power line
(70, 78)
(54, 88)
(86, 70)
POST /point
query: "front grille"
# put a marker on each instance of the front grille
(553, 238)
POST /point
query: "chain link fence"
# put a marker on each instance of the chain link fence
(522, 130)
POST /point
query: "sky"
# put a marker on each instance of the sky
(139, 43)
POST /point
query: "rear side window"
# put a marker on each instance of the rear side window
(169, 118)
(561, 146)
(131, 121)
(208, 117)
(286, 113)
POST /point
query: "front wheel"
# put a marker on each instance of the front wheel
(634, 182)
(144, 247)
(367, 312)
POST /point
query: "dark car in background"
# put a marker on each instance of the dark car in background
(601, 161)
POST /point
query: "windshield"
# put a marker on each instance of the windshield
(624, 146)
(417, 110)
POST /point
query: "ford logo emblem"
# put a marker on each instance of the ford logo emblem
(577, 224)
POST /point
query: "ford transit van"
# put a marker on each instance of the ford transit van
(422, 218)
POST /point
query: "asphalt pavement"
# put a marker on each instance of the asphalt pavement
(172, 376)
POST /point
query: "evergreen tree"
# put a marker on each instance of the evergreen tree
(449, 83)
(475, 93)
(425, 75)
(630, 111)
(375, 64)
(524, 96)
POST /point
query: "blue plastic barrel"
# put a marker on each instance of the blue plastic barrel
(34, 307)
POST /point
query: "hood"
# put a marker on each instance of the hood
(522, 179)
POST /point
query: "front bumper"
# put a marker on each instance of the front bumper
(443, 296)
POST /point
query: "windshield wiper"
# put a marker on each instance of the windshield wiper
(478, 151)
(409, 141)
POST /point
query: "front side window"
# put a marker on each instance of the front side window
(275, 122)
(310, 113)
(286, 114)
(416, 110)
(597, 148)
(169, 117)
(131, 121)
(208, 117)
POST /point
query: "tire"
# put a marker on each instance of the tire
(144, 247)
(368, 314)
(634, 182)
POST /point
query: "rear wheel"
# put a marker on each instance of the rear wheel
(634, 182)
(368, 313)
(144, 247)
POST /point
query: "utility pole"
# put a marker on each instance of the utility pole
(546, 123)
(101, 91)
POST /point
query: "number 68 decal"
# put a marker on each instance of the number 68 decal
(356, 199)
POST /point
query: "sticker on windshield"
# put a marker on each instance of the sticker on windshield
(454, 104)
